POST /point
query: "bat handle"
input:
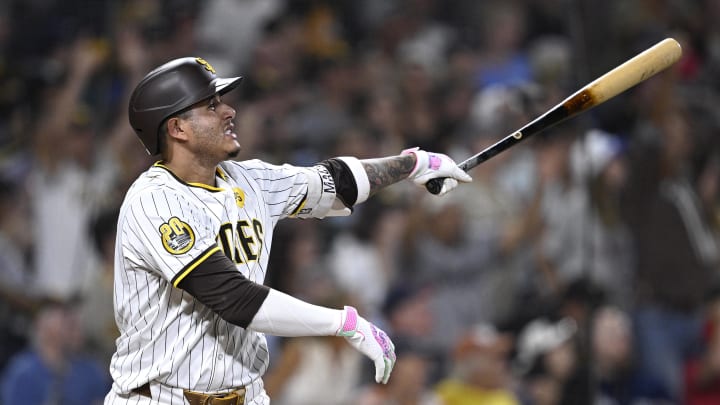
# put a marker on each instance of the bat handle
(435, 185)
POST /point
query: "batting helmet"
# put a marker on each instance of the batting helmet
(170, 89)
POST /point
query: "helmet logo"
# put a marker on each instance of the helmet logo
(205, 63)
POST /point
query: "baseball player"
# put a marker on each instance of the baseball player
(193, 242)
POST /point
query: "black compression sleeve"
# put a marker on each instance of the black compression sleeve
(221, 287)
(345, 185)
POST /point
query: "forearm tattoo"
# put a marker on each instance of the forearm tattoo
(383, 172)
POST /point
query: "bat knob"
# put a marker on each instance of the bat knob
(434, 185)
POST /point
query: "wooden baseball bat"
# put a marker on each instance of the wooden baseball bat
(640, 68)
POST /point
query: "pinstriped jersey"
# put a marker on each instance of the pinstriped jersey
(165, 229)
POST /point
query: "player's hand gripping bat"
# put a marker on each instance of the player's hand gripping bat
(641, 67)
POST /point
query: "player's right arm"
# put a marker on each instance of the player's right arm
(414, 164)
(355, 180)
(334, 186)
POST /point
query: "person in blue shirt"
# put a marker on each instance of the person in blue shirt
(53, 370)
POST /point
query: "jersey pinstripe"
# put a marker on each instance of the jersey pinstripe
(166, 227)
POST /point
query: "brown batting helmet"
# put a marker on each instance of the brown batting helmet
(169, 89)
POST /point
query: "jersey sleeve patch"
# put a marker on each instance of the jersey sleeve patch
(239, 196)
(177, 236)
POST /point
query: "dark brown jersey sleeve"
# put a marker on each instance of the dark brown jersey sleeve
(218, 284)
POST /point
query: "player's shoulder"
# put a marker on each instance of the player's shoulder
(155, 182)
(254, 168)
(250, 164)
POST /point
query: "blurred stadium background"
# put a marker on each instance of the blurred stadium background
(579, 268)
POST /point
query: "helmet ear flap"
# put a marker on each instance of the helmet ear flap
(167, 91)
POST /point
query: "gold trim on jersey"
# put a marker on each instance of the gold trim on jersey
(299, 207)
(199, 185)
(221, 173)
(206, 187)
(190, 267)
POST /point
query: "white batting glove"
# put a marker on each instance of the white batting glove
(430, 165)
(370, 341)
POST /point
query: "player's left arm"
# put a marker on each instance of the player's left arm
(215, 282)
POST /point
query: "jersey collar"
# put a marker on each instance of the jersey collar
(219, 172)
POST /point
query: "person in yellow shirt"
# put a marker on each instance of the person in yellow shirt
(480, 371)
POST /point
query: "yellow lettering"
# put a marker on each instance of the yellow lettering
(243, 245)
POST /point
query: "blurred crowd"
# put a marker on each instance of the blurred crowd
(580, 267)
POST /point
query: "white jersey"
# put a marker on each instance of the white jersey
(166, 228)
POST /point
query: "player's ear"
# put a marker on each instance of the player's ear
(177, 128)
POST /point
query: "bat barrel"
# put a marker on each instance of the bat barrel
(635, 70)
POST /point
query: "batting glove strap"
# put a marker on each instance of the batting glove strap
(370, 341)
(349, 322)
(430, 165)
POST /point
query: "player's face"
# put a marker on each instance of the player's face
(214, 130)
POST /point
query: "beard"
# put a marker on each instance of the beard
(233, 153)
(209, 141)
